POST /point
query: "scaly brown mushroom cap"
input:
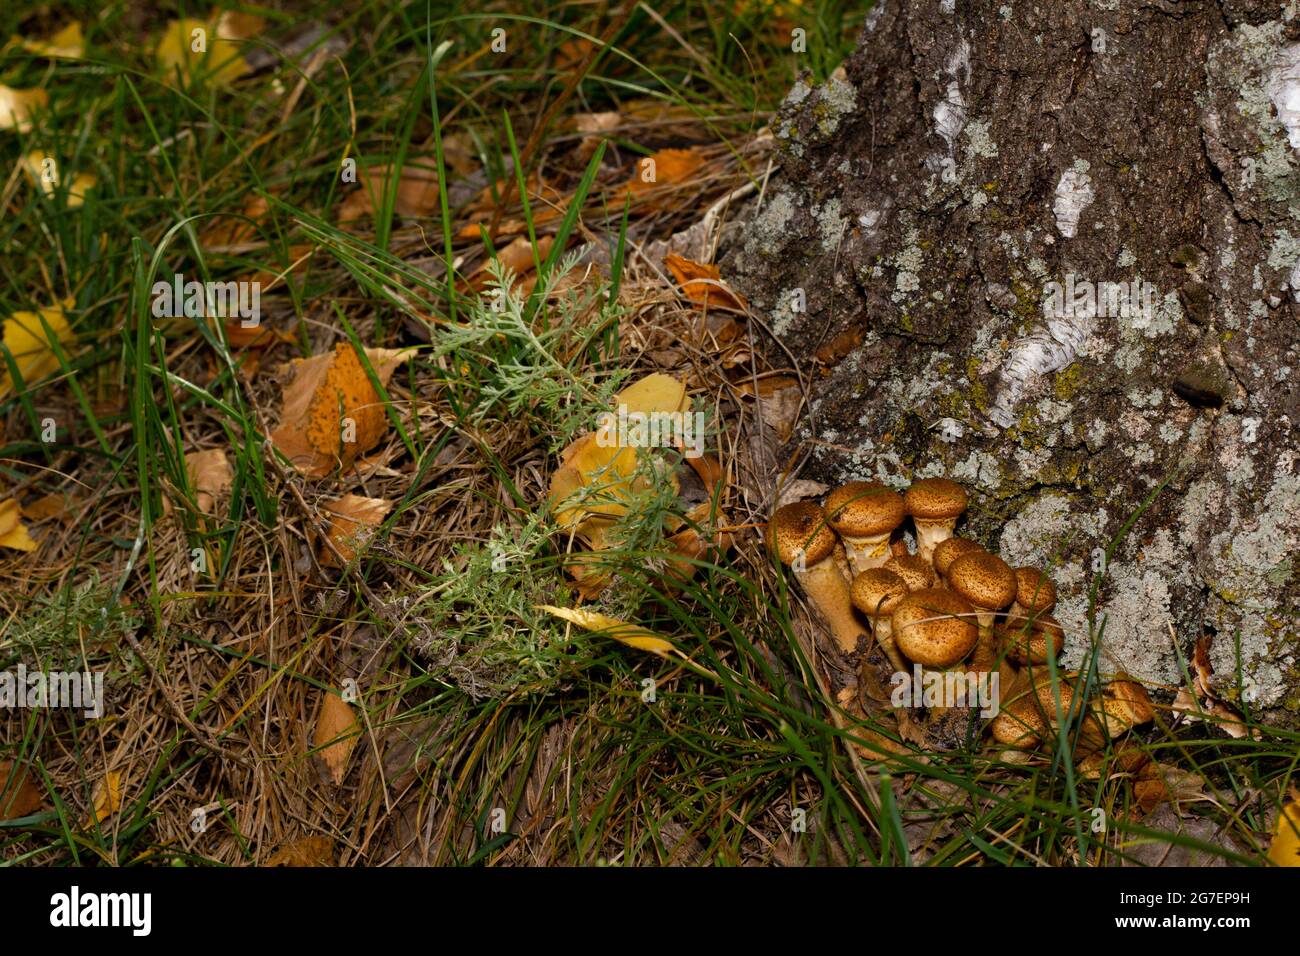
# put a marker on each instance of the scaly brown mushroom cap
(934, 627)
(1124, 704)
(1030, 712)
(864, 509)
(878, 592)
(1031, 642)
(949, 550)
(1035, 592)
(800, 527)
(983, 579)
(935, 499)
(915, 572)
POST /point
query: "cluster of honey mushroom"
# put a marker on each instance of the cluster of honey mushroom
(951, 606)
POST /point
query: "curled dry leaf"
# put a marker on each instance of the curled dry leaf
(332, 412)
(17, 107)
(633, 635)
(352, 520)
(335, 735)
(703, 284)
(210, 474)
(29, 343)
(18, 795)
(309, 851)
(43, 172)
(13, 533)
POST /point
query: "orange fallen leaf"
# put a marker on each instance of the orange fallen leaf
(18, 795)
(657, 175)
(351, 519)
(309, 851)
(703, 284)
(332, 412)
(224, 232)
(417, 190)
(335, 735)
(13, 533)
(517, 256)
(209, 473)
(48, 506)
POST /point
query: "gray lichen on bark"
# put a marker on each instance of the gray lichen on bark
(988, 152)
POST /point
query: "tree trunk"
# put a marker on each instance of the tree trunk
(926, 247)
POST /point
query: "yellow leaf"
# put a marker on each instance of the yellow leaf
(13, 534)
(27, 341)
(1285, 850)
(633, 635)
(332, 412)
(351, 517)
(656, 392)
(68, 43)
(192, 48)
(107, 798)
(42, 170)
(18, 106)
(335, 735)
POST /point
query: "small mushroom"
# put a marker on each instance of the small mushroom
(949, 550)
(1035, 593)
(865, 514)
(934, 628)
(1031, 641)
(1028, 714)
(935, 504)
(799, 537)
(916, 574)
(1123, 705)
(877, 592)
(989, 584)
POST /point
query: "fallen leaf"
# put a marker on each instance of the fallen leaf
(703, 284)
(1162, 783)
(189, 49)
(633, 635)
(209, 473)
(657, 176)
(48, 506)
(351, 518)
(29, 344)
(1284, 851)
(68, 44)
(517, 257)
(42, 171)
(18, 106)
(335, 735)
(106, 797)
(332, 413)
(13, 534)
(18, 795)
(417, 190)
(225, 231)
(309, 851)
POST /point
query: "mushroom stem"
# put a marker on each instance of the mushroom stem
(829, 593)
(868, 552)
(930, 534)
(883, 630)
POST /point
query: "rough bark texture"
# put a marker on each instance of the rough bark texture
(971, 154)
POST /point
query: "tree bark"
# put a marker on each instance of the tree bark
(971, 157)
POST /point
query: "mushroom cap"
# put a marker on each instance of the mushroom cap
(1030, 642)
(934, 627)
(800, 527)
(1035, 591)
(877, 592)
(1128, 700)
(950, 549)
(935, 499)
(915, 571)
(863, 509)
(983, 579)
